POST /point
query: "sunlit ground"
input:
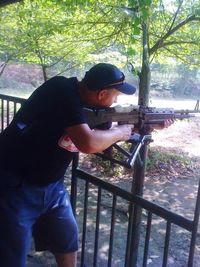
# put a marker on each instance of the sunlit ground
(160, 103)
(183, 135)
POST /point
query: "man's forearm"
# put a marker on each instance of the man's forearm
(93, 141)
(102, 139)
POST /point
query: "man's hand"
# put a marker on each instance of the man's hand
(125, 131)
(166, 123)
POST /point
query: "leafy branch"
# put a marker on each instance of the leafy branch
(160, 43)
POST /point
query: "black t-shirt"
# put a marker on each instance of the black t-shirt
(34, 145)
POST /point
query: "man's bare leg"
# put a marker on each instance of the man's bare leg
(66, 260)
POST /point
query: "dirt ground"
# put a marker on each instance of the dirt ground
(171, 183)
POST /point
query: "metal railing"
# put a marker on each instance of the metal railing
(8, 108)
(105, 238)
(151, 210)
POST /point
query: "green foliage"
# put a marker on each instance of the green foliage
(66, 33)
(158, 159)
(48, 31)
(174, 31)
(106, 168)
(44, 34)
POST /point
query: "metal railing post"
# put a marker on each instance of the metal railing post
(137, 189)
(195, 228)
(73, 195)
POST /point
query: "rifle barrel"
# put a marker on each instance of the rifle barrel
(183, 116)
(186, 111)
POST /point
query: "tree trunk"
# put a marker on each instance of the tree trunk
(3, 66)
(44, 72)
(140, 168)
(145, 75)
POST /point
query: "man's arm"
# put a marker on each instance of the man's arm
(93, 141)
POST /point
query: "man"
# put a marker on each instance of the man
(35, 150)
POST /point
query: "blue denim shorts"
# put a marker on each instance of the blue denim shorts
(43, 212)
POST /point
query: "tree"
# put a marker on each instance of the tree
(52, 32)
(166, 29)
(37, 32)
(174, 32)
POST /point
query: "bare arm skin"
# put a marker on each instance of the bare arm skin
(166, 124)
(93, 141)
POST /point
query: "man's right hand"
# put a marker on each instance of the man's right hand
(126, 131)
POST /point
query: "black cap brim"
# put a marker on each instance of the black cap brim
(126, 88)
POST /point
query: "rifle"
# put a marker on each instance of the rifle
(145, 119)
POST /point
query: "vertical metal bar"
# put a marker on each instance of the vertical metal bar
(194, 230)
(112, 231)
(135, 236)
(166, 248)
(8, 112)
(97, 228)
(84, 223)
(2, 114)
(147, 238)
(128, 243)
(73, 196)
(15, 108)
(138, 184)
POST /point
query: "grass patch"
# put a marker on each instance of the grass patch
(160, 161)
(167, 162)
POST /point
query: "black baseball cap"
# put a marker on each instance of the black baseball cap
(105, 76)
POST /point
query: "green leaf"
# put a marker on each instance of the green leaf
(197, 11)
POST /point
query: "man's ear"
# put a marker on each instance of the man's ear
(102, 94)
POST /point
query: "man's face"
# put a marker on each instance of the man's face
(107, 97)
